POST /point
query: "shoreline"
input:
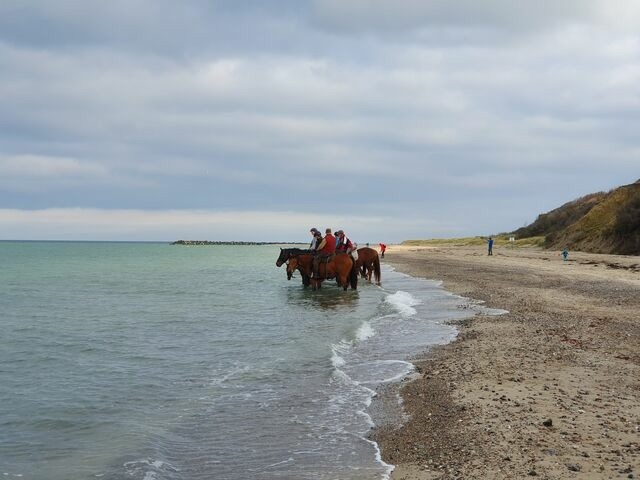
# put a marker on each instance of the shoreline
(550, 389)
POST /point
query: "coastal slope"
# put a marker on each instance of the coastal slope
(603, 222)
(550, 390)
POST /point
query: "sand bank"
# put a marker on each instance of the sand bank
(550, 390)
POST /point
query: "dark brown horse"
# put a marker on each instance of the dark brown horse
(286, 254)
(369, 263)
(340, 266)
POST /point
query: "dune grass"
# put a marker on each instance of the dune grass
(499, 240)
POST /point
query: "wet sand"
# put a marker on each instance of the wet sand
(550, 390)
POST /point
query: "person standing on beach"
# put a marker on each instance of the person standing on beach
(383, 247)
(490, 246)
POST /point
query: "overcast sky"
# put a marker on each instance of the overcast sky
(256, 120)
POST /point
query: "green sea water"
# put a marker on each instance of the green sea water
(151, 361)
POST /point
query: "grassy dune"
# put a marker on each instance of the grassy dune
(499, 240)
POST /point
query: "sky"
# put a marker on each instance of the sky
(257, 120)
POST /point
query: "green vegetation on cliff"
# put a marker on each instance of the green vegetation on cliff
(603, 222)
(600, 223)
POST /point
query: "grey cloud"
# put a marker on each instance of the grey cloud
(381, 16)
(455, 131)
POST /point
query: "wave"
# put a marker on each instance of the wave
(403, 303)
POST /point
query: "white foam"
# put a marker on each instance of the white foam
(479, 308)
(336, 349)
(367, 417)
(389, 468)
(410, 367)
(365, 331)
(403, 302)
(336, 360)
(149, 467)
(341, 376)
(290, 459)
(228, 375)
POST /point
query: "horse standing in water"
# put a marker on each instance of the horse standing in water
(339, 266)
(369, 263)
(286, 254)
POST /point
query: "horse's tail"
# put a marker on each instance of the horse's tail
(353, 275)
(376, 269)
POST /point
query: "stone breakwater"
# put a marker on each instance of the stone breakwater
(209, 242)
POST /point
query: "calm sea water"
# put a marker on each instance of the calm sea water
(150, 361)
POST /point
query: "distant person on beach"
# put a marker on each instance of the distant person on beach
(490, 246)
(565, 254)
(383, 247)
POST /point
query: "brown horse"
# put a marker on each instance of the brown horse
(340, 266)
(369, 263)
(286, 254)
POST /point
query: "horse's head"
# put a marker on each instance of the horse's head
(284, 256)
(291, 267)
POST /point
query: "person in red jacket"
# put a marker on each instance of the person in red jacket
(344, 244)
(383, 247)
(326, 248)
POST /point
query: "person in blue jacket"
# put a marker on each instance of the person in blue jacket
(490, 246)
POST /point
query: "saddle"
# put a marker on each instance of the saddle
(318, 259)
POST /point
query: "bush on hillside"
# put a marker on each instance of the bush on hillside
(627, 227)
(557, 220)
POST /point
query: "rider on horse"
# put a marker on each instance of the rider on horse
(316, 237)
(324, 251)
(344, 244)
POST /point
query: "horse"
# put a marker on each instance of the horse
(339, 266)
(369, 263)
(286, 254)
(292, 266)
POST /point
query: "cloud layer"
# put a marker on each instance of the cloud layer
(435, 118)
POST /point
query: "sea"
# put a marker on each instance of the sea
(153, 361)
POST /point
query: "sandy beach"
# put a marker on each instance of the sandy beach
(550, 390)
